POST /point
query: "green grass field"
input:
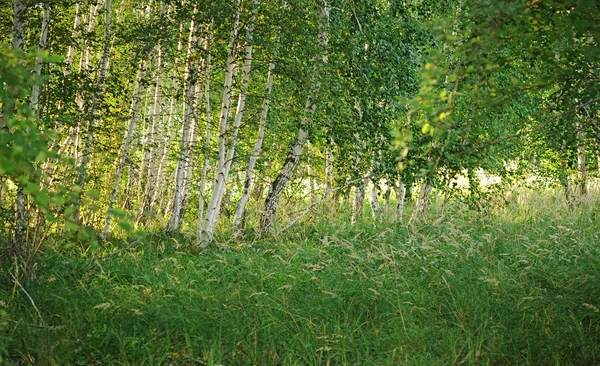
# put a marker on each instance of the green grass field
(513, 286)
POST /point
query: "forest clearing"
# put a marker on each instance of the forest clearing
(299, 182)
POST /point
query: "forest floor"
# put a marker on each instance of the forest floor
(516, 284)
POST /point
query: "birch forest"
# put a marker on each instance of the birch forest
(317, 182)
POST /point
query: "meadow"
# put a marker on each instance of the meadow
(515, 283)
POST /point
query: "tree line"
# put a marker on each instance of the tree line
(201, 116)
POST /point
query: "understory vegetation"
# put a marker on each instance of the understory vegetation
(514, 283)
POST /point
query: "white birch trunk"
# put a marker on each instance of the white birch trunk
(311, 178)
(202, 199)
(190, 151)
(153, 145)
(387, 195)
(84, 69)
(374, 199)
(329, 163)
(37, 71)
(285, 175)
(135, 106)
(99, 89)
(175, 221)
(422, 205)
(581, 164)
(226, 156)
(400, 195)
(161, 175)
(598, 161)
(241, 206)
(359, 199)
(19, 8)
(74, 35)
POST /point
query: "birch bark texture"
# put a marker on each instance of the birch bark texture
(135, 107)
(96, 99)
(226, 155)
(293, 157)
(241, 205)
(187, 128)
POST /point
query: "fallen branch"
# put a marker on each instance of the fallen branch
(109, 255)
(318, 202)
(16, 282)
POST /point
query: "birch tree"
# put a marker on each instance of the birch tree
(247, 185)
(293, 157)
(226, 155)
(188, 128)
(96, 100)
(135, 107)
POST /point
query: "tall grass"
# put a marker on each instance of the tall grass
(516, 283)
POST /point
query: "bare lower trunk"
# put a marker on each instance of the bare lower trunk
(359, 199)
(581, 165)
(311, 178)
(409, 193)
(400, 196)
(279, 184)
(374, 199)
(135, 106)
(422, 205)
(566, 185)
(329, 163)
(359, 190)
(598, 161)
(387, 195)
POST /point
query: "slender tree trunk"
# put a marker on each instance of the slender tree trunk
(422, 205)
(581, 164)
(37, 71)
(285, 175)
(19, 8)
(135, 106)
(99, 89)
(161, 176)
(84, 71)
(190, 156)
(598, 160)
(71, 52)
(206, 164)
(359, 199)
(311, 178)
(153, 146)
(387, 195)
(241, 206)
(226, 155)
(374, 199)
(409, 193)
(188, 100)
(329, 163)
(400, 196)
